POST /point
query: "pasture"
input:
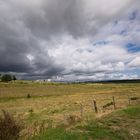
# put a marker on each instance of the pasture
(50, 104)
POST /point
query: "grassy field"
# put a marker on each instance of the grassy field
(119, 125)
(57, 104)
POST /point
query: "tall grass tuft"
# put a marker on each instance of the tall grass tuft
(9, 127)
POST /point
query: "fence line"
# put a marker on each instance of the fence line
(96, 105)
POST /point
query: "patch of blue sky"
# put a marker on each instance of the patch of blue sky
(131, 73)
(134, 71)
(132, 47)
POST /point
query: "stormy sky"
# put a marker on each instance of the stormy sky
(70, 39)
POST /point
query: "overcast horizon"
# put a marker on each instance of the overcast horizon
(70, 40)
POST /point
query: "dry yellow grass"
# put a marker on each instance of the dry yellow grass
(50, 102)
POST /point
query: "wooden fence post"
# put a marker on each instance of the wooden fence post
(95, 106)
(114, 103)
(81, 110)
(129, 100)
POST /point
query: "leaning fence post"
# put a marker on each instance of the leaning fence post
(128, 100)
(95, 106)
(81, 110)
(114, 104)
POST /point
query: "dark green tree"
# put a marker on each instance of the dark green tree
(14, 77)
(6, 78)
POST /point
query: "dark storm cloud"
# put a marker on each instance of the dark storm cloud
(13, 49)
(50, 18)
(28, 29)
(20, 50)
(54, 17)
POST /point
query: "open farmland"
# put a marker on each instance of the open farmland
(51, 103)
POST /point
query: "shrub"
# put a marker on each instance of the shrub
(31, 111)
(9, 127)
(28, 96)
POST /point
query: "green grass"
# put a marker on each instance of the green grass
(99, 132)
(125, 122)
(131, 112)
(110, 127)
(59, 134)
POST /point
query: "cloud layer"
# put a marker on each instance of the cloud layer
(70, 40)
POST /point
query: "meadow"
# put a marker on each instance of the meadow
(51, 105)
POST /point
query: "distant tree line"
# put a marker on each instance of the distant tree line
(7, 77)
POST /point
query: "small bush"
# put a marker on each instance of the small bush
(31, 111)
(9, 127)
(28, 96)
